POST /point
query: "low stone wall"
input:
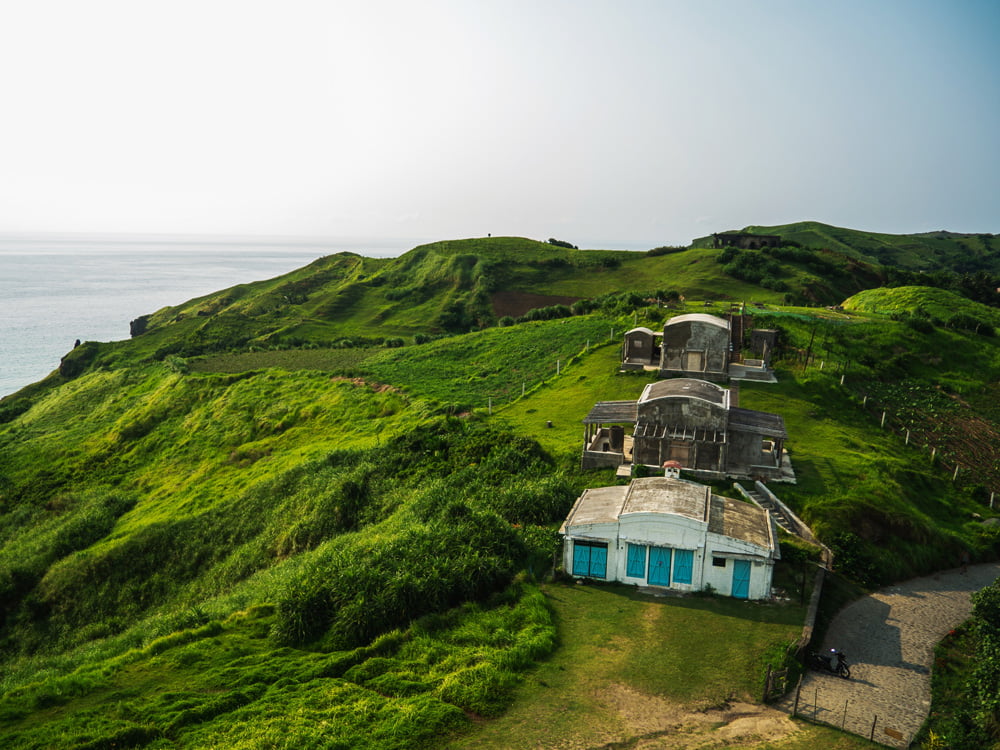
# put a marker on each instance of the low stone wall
(601, 459)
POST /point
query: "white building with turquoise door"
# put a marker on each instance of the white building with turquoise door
(671, 533)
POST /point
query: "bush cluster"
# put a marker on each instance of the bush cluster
(975, 722)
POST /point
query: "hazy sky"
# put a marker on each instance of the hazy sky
(608, 124)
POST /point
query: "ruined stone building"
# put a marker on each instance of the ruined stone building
(692, 422)
(745, 241)
(702, 346)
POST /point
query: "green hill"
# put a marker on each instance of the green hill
(926, 251)
(315, 510)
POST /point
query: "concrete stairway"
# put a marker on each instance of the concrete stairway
(777, 512)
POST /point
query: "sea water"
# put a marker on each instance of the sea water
(55, 291)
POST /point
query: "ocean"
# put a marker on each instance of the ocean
(54, 291)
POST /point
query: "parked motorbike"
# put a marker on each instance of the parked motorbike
(832, 661)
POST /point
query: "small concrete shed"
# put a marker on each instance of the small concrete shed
(671, 533)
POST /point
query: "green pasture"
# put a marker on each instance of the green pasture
(617, 644)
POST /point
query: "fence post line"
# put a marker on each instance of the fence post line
(798, 690)
(557, 366)
(843, 722)
(955, 475)
(907, 437)
(871, 734)
(883, 420)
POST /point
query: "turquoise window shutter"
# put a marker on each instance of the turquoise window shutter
(598, 562)
(581, 559)
(636, 563)
(683, 565)
(590, 559)
(659, 566)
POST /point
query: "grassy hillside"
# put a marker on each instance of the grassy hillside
(936, 306)
(927, 251)
(313, 511)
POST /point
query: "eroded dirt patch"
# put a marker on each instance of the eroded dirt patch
(650, 722)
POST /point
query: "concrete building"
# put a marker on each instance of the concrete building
(692, 422)
(671, 533)
(697, 345)
(745, 241)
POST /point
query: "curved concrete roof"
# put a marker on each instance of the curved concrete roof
(641, 329)
(686, 388)
(671, 497)
(699, 318)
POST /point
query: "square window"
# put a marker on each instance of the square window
(719, 562)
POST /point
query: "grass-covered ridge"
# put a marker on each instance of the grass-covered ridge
(928, 251)
(938, 306)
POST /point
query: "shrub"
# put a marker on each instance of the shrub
(562, 243)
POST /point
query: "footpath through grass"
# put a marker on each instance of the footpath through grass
(622, 651)
(631, 665)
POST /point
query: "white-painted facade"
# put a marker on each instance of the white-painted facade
(673, 534)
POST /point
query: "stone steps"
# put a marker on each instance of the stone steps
(779, 515)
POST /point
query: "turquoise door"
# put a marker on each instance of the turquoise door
(683, 565)
(659, 566)
(741, 579)
(590, 560)
(636, 562)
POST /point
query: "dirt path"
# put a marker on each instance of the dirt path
(889, 638)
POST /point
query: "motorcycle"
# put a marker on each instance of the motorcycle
(832, 661)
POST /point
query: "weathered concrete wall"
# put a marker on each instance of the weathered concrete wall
(692, 412)
(695, 347)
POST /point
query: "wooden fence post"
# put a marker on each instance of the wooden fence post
(871, 734)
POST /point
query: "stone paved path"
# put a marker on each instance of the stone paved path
(889, 640)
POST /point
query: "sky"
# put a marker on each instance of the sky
(626, 124)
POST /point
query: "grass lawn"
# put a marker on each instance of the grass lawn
(633, 667)
(565, 400)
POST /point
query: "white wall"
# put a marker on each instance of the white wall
(676, 532)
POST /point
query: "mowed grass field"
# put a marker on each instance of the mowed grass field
(671, 672)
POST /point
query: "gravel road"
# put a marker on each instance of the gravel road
(888, 639)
